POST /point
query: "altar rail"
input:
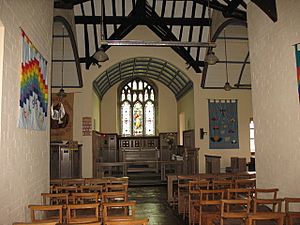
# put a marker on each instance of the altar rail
(163, 168)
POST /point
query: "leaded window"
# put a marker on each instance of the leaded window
(137, 108)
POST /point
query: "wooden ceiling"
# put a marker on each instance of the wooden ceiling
(170, 20)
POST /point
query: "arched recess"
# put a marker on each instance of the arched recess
(148, 67)
(245, 60)
(70, 35)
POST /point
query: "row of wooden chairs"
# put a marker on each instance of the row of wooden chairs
(88, 181)
(210, 205)
(187, 186)
(89, 188)
(113, 212)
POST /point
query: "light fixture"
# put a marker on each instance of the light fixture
(61, 94)
(227, 86)
(210, 58)
(100, 54)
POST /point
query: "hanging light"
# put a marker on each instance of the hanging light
(61, 94)
(210, 57)
(100, 54)
(227, 86)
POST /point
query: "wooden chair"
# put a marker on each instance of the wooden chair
(118, 180)
(56, 182)
(84, 198)
(86, 223)
(65, 189)
(129, 222)
(264, 217)
(239, 193)
(245, 183)
(49, 213)
(38, 223)
(222, 184)
(73, 181)
(82, 213)
(116, 187)
(208, 207)
(234, 211)
(292, 217)
(55, 199)
(92, 189)
(265, 193)
(195, 188)
(118, 211)
(114, 196)
(183, 193)
(96, 181)
(263, 205)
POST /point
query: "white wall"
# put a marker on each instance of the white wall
(24, 161)
(96, 112)
(276, 109)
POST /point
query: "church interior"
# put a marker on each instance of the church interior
(149, 112)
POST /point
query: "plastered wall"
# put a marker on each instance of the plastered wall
(276, 108)
(96, 112)
(24, 160)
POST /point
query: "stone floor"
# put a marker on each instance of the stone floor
(152, 203)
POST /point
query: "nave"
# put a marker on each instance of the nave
(204, 199)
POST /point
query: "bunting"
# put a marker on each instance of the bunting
(33, 88)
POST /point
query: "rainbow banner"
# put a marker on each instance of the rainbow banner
(34, 88)
(298, 68)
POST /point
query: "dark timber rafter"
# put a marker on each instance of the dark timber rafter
(166, 34)
(146, 21)
(144, 14)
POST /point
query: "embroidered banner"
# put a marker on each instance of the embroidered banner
(33, 88)
(298, 68)
(223, 124)
(62, 130)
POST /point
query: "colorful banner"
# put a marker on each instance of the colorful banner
(223, 124)
(297, 52)
(62, 130)
(33, 89)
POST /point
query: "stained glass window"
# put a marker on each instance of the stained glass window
(137, 108)
(137, 119)
(126, 118)
(150, 118)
